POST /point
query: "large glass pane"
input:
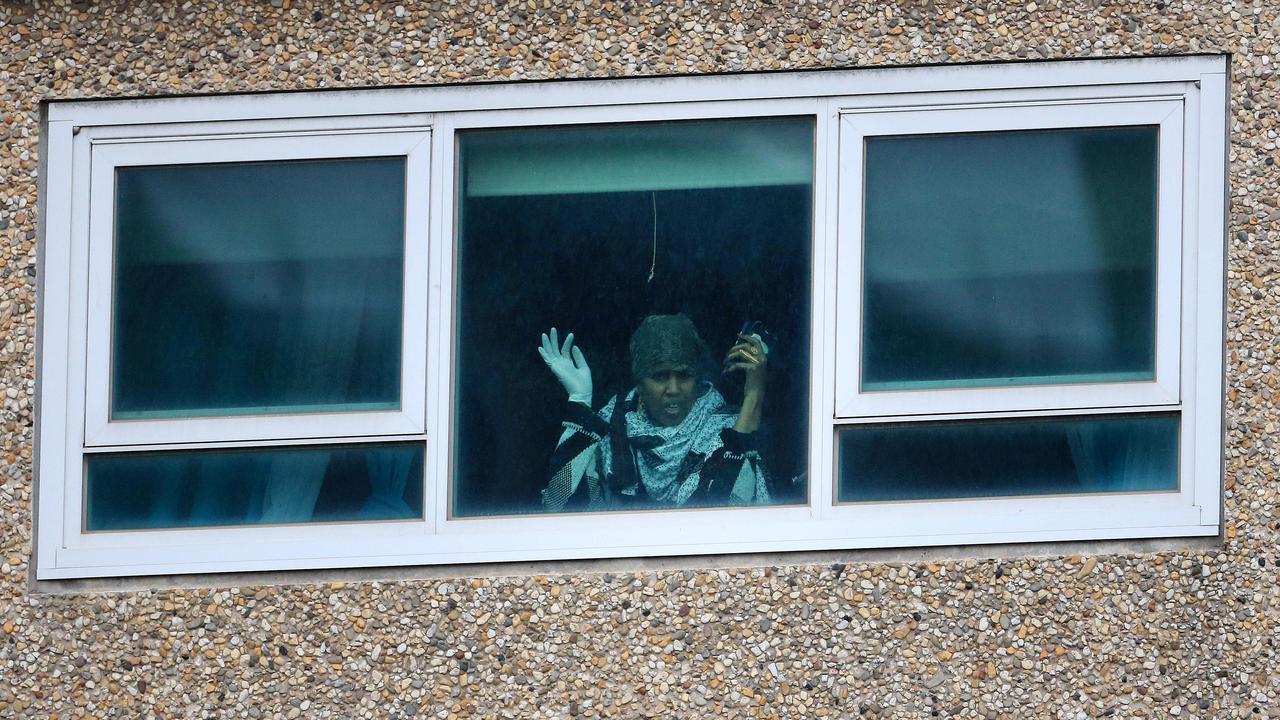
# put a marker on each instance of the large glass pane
(995, 458)
(251, 288)
(1009, 258)
(661, 247)
(143, 491)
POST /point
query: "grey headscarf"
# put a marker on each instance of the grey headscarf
(667, 339)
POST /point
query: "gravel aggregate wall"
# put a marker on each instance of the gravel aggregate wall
(1186, 634)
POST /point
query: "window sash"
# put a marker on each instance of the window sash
(442, 328)
(856, 126)
(411, 143)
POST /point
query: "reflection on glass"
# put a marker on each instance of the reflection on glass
(1009, 258)
(258, 288)
(997, 458)
(138, 491)
(675, 254)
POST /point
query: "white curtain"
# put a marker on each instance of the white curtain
(1122, 457)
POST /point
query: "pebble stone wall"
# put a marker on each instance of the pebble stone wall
(1180, 633)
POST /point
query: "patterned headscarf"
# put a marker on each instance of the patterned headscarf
(660, 451)
(667, 340)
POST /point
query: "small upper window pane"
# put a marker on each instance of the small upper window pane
(1009, 258)
(252, 288)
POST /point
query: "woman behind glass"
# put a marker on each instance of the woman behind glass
(675, 442)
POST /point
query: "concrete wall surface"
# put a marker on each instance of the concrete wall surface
(1120, 630)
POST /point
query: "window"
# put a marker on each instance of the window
(594, 228)
(667, 316)
(1013, 266)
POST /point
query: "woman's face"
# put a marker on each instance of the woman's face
(667, 394)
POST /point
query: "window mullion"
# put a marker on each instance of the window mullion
(825, 273)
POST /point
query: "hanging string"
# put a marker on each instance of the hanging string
(653, 265)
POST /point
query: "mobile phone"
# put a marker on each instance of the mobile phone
(757, 328)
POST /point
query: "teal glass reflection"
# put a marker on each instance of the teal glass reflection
(590, 229)
(148, 491)
(251, 288)
(1001, 458)
(1010, 258)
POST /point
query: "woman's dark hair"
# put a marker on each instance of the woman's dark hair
(667, 340)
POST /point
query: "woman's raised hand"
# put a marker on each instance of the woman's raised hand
(569, 366)
(750, 356)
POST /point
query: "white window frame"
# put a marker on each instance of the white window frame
(1108, 110)
(71, 420)
(107, 155)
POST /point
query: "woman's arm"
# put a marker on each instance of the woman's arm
(734, 473)
(574, 459)
(751, 357)
(574, 480)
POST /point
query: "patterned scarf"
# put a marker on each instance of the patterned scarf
(660, 451)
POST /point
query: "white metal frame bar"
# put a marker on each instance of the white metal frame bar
(869, 82)
(1204, 296)
(57, 451)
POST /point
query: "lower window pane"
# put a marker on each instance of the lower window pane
(141, 491)
(995, 458)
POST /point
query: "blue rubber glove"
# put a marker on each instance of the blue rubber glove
(569, 366)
